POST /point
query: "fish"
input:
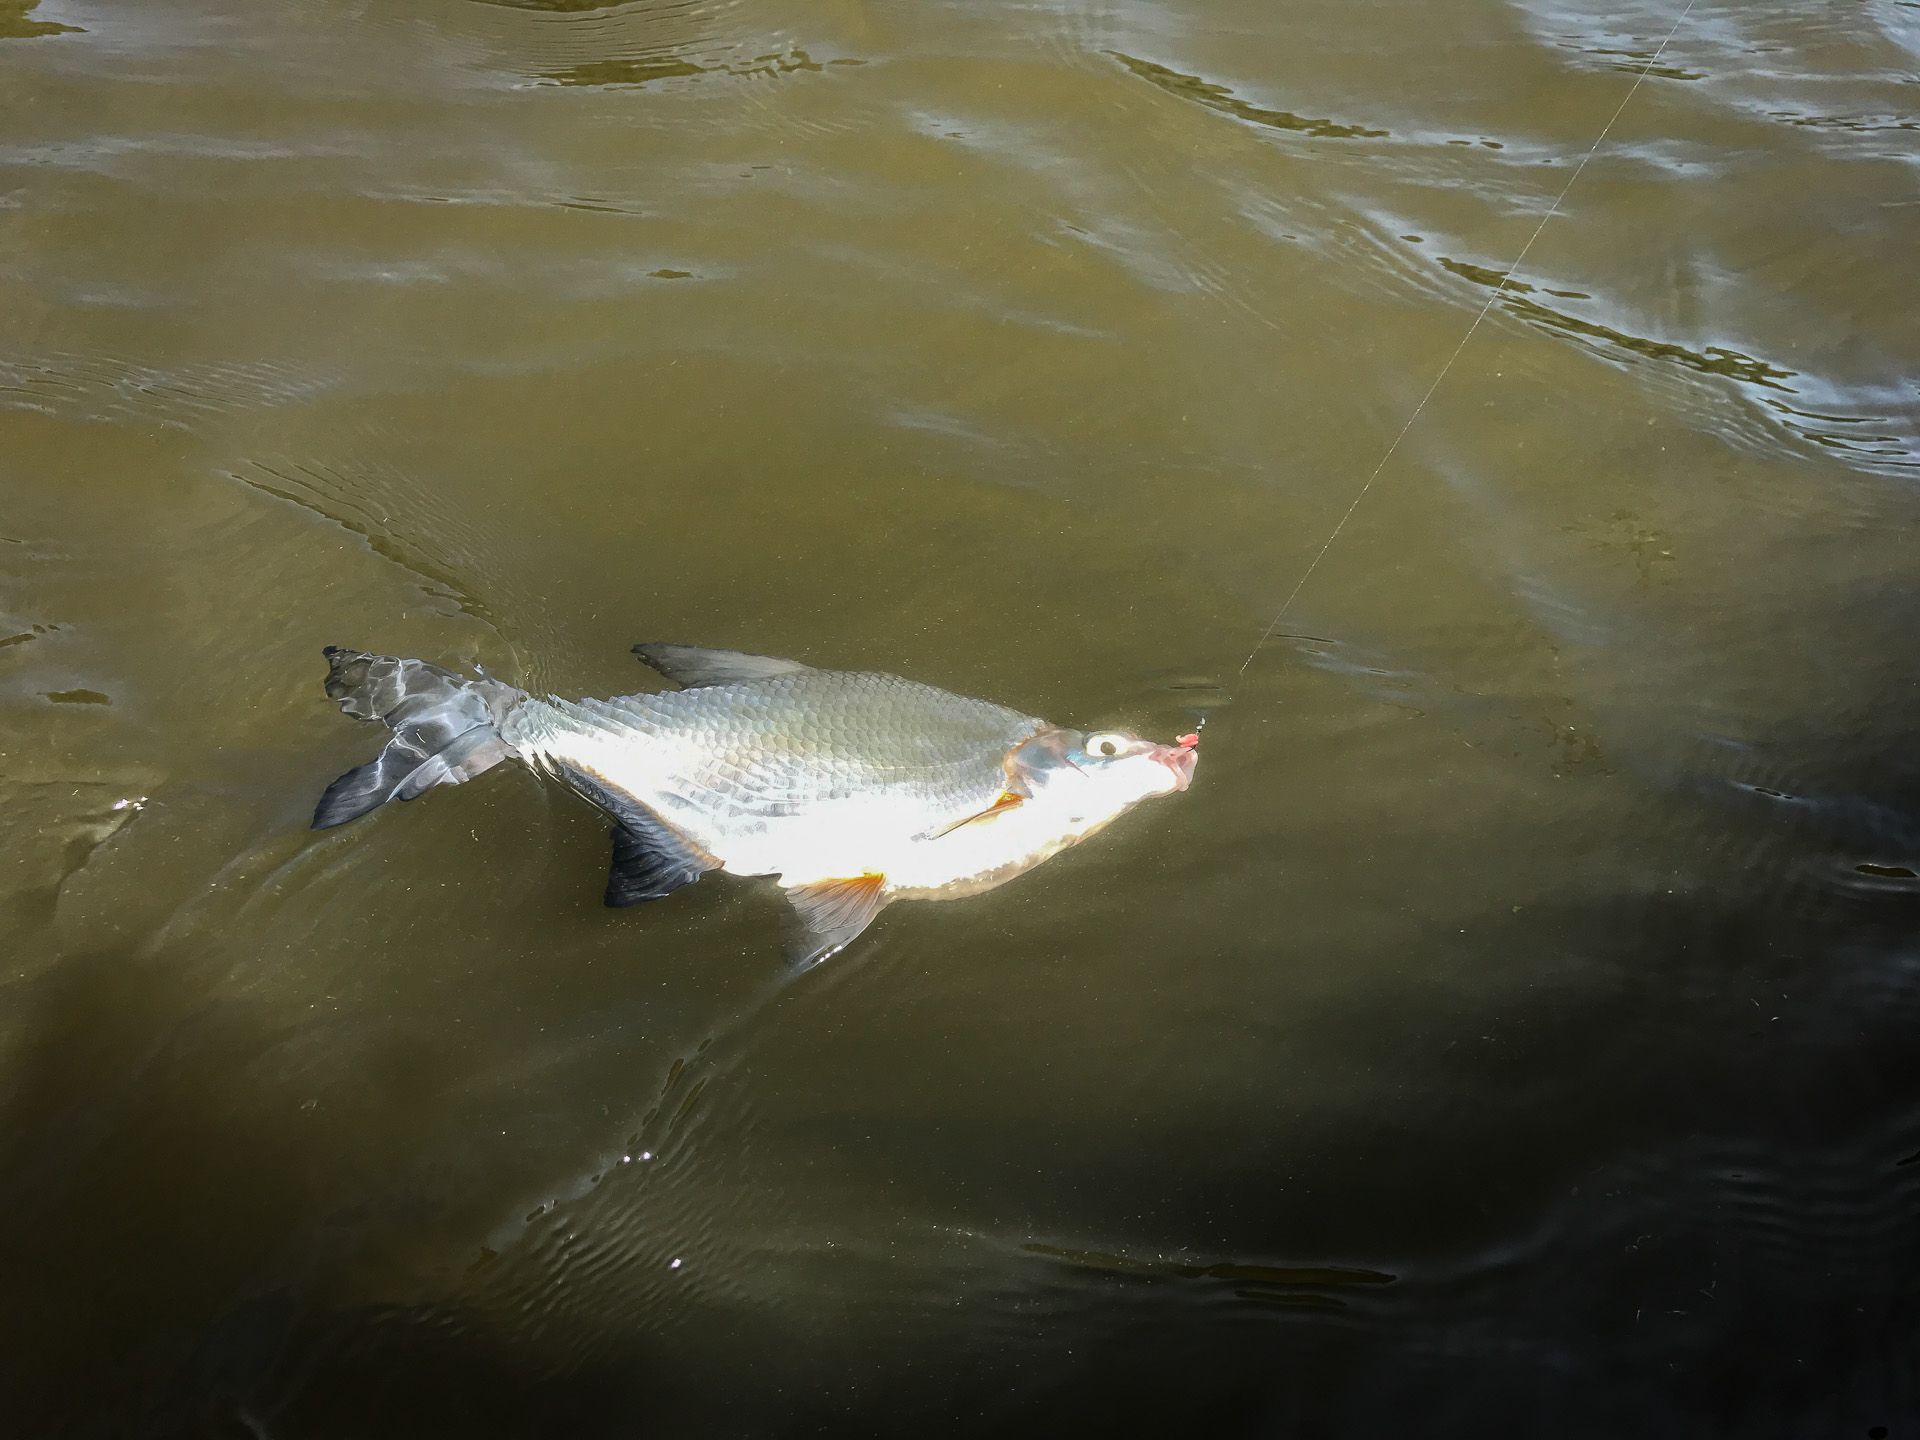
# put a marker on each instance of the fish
(853, 789)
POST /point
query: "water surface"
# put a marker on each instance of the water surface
(1513, 1030)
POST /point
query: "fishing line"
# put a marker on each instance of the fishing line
(1493, 295)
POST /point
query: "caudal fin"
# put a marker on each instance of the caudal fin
(446, 729)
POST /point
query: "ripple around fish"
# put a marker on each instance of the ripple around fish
(643, 70)
(362, 500)
(1019, 1297)
(1146, 231)
(1628, 38)
(104, 388)
(1195, 696)
(1370, 250)
(1369, 671)
(1899, 22)
(639, 1220)
(640, 43)
(1082, 34)
(1852, 1201)
(1221, 100)
(1150, 248)
(1764, 60)
(55, 828)
(1850, 841)
(1320, 1287)
(1635, 60)
(1853, 124)
(1888, 440)
(648, 9)
(1879, 445)
(647, 1238)
(1673, 1219)
(1158, 247)
(253, 882)
(1710, 360)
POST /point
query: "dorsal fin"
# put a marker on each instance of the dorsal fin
(695, 665)
(831, 914)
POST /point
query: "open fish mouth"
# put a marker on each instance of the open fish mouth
(1180, 759)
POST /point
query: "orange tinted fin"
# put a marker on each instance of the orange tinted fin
(831, 914)
(1006, 801)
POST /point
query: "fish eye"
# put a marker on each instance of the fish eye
(1106, 744)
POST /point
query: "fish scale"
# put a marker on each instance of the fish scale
(751, 770)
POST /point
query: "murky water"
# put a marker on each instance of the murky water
(1512, 1032)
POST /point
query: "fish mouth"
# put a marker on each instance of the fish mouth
(1180, 759)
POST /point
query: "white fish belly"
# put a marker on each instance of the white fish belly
(858, 835)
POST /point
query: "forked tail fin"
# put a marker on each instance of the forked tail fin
(446, 729)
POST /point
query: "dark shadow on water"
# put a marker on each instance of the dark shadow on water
(169, 1271)
(1688, 1151)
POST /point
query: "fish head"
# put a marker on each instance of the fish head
(1093, 776)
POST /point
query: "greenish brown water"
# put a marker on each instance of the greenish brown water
(1512, 1032)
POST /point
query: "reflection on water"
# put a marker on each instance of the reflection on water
(1510, 1033)
(17, 21)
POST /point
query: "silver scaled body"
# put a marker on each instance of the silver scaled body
(854, 788)
(811, 776)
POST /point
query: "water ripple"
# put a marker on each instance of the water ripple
(1887, 440)
(1220, 99)
(105, 388)
(641, 44)
(384, 508)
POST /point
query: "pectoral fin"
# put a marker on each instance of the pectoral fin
(650, 858)
(694, 665)
(831, 914)
(1006, 801)
(649, 862)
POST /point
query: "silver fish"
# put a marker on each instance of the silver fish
(854, 788)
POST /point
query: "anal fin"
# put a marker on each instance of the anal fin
(831, 915)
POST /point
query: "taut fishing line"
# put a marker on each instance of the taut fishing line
(1493, 295)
